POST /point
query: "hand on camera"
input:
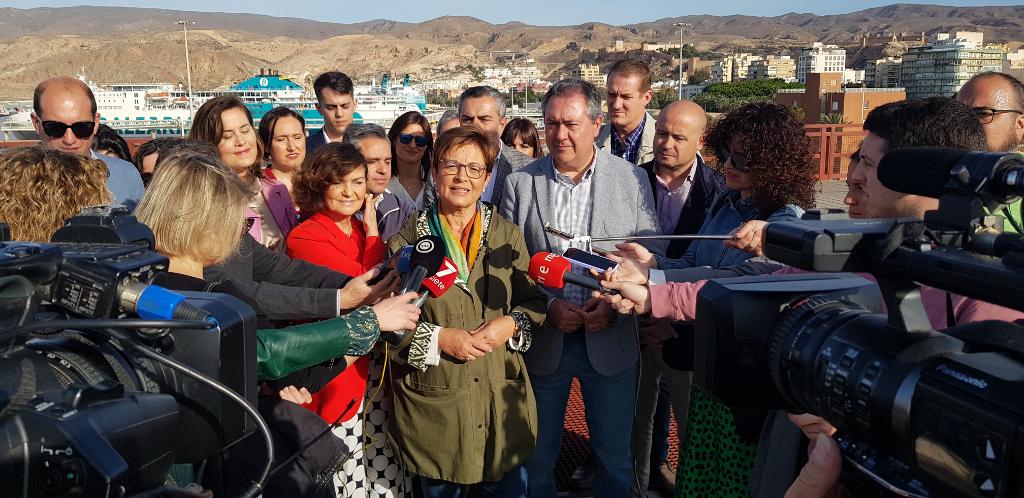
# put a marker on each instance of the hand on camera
(636, 252)
(358, 292)
(565, 316)
(297, 396)
(812, 425)
(749, 237)
(632, 298)
(397, 313)
(820, 476)
(460, 344)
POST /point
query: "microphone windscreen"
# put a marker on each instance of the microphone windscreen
(920, 171)
(428, 252)
(403, 260)
(439, 283)
(549, 269)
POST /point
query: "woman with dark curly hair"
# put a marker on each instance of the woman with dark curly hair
(769, 175)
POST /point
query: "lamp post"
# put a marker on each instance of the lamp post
(185, 23)
(680, 25)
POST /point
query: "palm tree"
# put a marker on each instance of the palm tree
(835, 118)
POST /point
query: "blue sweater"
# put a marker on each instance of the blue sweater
(124, 181)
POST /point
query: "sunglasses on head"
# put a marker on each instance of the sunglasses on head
(406, 138)
(56, 129)
(739, 162)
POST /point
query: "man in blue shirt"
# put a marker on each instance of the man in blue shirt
(628, 131)
(65, 118)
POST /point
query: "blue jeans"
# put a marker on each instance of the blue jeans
(511, 485)
(609, 403)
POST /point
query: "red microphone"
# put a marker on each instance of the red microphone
(439, 283)
(554, 271)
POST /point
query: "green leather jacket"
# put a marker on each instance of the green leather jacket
(280, 352)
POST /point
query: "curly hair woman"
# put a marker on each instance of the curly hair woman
(41, 188)
(769, 174)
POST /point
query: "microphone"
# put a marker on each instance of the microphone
(427, 256)
(926, 171)
(434, 286)
(554, 271)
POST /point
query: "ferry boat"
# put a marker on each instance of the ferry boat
(162, 108)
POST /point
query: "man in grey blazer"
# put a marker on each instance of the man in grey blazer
(580, 189)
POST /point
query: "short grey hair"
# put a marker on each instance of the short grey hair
(475, 92)
(448, 115)
(356, 132)
(577, 86)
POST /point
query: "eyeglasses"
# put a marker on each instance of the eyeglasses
(407, 139)
(987, 114)
(473, 170)
(56, 129)
(739, 162)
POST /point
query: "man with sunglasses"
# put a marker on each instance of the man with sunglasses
(997, 100)
(65, 118)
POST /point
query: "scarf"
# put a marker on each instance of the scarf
(461, 248)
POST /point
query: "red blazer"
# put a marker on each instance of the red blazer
(319, 241)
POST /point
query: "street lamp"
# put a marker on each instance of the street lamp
(185, 23)
(680, 25)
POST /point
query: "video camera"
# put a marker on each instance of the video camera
(920, 413)
(96, 402)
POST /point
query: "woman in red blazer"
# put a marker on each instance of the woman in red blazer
(330, 190)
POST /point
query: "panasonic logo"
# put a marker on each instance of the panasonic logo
(962, 377)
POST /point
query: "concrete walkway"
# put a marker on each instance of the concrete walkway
(831, 195)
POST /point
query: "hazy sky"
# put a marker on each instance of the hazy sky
(540, 12)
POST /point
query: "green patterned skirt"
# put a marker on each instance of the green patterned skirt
(713, 460)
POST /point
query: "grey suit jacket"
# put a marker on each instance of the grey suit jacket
(604, 139)
(623, 205)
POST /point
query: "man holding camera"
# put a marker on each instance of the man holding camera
(934, 122)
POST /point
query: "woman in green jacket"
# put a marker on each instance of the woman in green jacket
(465, 416)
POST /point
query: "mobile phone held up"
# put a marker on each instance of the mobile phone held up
(589, 260)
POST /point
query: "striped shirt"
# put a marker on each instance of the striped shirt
(572, 213)
(628, 148)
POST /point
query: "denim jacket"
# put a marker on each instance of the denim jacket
(727, 213)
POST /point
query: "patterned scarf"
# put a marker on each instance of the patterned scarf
(461, 248)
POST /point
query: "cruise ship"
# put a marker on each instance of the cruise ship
(163, 108)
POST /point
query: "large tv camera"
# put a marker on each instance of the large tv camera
(105, 381)
(920, 413)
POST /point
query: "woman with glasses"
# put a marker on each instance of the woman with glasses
(411, 147)
(283, 133)
(465, 415)
(226, 123)
(769, 176)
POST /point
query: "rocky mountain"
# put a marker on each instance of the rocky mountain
(117, 44)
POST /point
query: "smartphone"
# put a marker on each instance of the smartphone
(384, 271)
(589, 260)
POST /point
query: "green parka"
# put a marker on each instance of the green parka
(469, 421)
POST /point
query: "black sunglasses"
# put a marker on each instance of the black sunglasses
(406, 138)
(739, 162)
(56, 129)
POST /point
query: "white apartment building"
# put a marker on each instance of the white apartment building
(820, 58)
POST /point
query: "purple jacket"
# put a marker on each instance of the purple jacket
(279, 201)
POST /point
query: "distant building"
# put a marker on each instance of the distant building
(694, 64)
(770, 67)
(853, 76)
(820, 58)
(883, 73)
(1014, 64)
(732, 68)
(654, 47)
(942, 66)
(590, 73)
(824, 95)
(691, 91)
(884, 38)
(619, 46)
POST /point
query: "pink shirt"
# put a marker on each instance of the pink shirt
(678, 301)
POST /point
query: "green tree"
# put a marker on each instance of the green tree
(835, 118)
(699, 77)
(663, 97)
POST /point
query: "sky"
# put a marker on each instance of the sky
(537, 12)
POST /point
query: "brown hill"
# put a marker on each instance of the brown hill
(114, 44)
